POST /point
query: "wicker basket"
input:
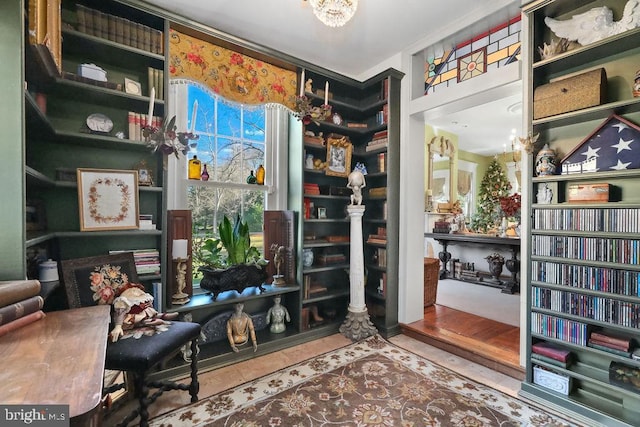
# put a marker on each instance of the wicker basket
(431, 272)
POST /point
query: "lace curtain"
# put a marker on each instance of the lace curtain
(464, 183)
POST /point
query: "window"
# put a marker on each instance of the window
(233, 141)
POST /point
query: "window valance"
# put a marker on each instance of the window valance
(230, 74)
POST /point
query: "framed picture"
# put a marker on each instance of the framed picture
(322, 213)
(145, 174)
(108, 199)
(339, 151)
(131, 86)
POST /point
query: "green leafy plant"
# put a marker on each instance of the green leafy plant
(233, 247)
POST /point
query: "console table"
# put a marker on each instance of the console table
(513, 244)
(58, 360)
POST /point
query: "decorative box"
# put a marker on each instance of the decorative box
(92, 71)
(627, 377)
(552, 380)
(578, 193)
(571, 93)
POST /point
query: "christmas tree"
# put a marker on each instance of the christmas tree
(494, 185)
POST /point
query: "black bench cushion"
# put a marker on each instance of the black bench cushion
(142, 354)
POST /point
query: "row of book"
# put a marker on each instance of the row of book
(137, 121)
(619, 220)
(378, 192)
(120, 30)
(621, 282)
(156, 80)
(615, 344)
(147, 261)
(560, 329)
(380, 257)
(20, 304)
(311, 188)
(608, 310)
(382, 162)
(624, 251)
(332, 258)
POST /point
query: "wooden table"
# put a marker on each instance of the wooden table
(58, 360)
(513, 244)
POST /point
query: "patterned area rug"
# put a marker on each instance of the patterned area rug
(369, 383)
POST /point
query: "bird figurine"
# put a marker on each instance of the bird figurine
(595, 24)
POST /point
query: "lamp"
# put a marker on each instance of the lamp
(334, 13)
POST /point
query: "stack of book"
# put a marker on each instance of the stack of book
(551, 354)
(20, 304)
(441, 227)
(379, 237)
(378, 140)
(611, 343)
(137, 121)
(325, 259)
(471, 275)
(146, 222)
(147, 261)
(311, 188)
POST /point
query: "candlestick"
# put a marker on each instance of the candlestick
(326, 93)
(179, 249)
(429, 192)
(152, 99)
(302, 83)
(194, 114)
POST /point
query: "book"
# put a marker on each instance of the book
(17, 290)
(551, 361)
(549, 350)
(609, 349)
(21, 321)
(609, 345)
(618, 341)
(19, 309)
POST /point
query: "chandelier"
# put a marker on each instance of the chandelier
(334, 13)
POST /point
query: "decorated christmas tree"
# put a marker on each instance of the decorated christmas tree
(494, 185)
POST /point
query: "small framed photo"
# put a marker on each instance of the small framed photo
(145, 174)
(322, 213)
(339, 151)
(131, 86)
(108, 199)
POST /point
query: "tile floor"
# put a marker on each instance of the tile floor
(218, 380)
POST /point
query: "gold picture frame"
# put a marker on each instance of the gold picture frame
(108, 199)
(145, 173)
(339, 150)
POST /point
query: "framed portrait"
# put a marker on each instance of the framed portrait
(339, 151)
(322, 213)
(131, 86)
(108, 199)
(145, 174)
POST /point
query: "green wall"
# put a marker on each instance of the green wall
(12, 254)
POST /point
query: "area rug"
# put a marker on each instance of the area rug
(368, 383)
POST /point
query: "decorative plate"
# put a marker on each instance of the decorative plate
(98, 122)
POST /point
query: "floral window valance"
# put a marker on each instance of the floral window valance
(230, 74)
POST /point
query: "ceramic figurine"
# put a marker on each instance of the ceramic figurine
(356, 184)
(240, 329)
(277, 315)
(546, 161)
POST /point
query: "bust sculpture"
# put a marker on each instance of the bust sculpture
(240, 329)
(277, 315)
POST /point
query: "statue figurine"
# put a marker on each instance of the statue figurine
(277, 315)
(356, 184)
(278, 259)
(240, 328)
(307, 86)
(133, 308)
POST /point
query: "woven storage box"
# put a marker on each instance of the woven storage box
(569, 94)
(431, 271)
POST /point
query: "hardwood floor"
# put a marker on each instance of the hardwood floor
(487, 342)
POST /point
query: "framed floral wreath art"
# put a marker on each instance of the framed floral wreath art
(108, 199)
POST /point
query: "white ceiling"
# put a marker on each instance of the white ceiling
(379, 30)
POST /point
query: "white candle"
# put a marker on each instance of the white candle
(179, 249)
(194, 114)
(326, 93)
(152, 99)
(302, 83)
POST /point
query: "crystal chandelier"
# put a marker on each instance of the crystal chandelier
(334, 13)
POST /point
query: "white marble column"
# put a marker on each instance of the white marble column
(357, 324)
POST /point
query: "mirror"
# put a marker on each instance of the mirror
(441, 158)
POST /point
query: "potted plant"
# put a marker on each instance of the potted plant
(230, 262)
